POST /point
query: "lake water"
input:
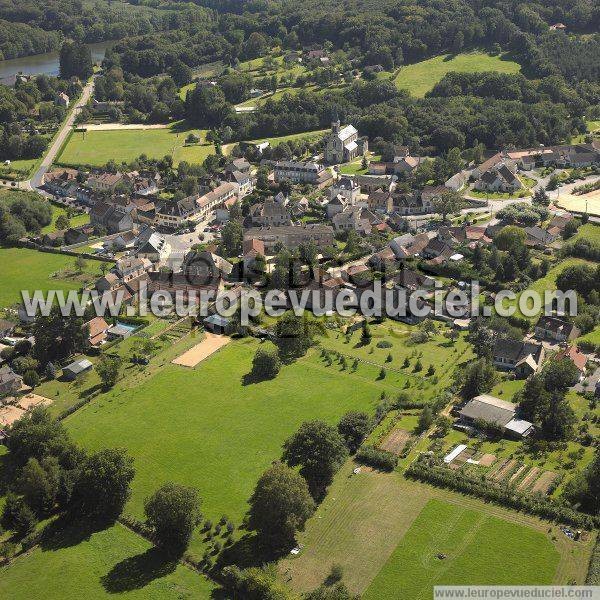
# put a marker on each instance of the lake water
(46, 64)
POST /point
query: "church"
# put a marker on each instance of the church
(343, 144)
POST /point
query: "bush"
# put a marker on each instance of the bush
(378, 459)
(384, 344)
(266, 363)
(593, 574)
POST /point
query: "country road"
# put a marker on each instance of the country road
(36, 180)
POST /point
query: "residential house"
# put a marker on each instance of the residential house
(62, 100)
(343, 144)
(412, 280)
(79, 235)
(111, 218)
(435, 248)
(555, 330)
(302, 172)
(173, 215)
(10, 382)
(558, 223)
(372, 183)
(578, 358)
(104, 182)
(252, 248)
(97, 331)
(153, 246)
(523, 358)
(131, 268)
(123, 241)
(291, 236)
(203, 267)
(407, 245)
(500, 178)
(352, 218)
(496, 413)
(347, 188)
(272, 214)
(55, 180)
(381, 200)
(243, 181)
(538, 237)
(336, 205)
(108, 282)
(217, 197)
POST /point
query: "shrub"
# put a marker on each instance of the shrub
(384, 344)
(379, 459)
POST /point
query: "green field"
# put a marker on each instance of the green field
(76, 221)
(203, 427)
(589, 231)
(305, 135)
(438, 351)
(97, 565)
(32, 270)
(96, 148)
(479, 549)
(420, 77)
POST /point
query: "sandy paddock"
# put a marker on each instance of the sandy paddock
(31, 400)
(9, 414)
(209, 345)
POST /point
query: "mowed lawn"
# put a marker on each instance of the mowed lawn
(96, 148)
(24, 269)
(479, 549)
(590, 232)
(103, 564)
(203, 427)
(419, 78)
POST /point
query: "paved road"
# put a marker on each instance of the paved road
(36, 180)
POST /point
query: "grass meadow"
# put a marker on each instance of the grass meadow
(99, 564)
(479, 550)
(382, 528)
(75, 221)
(96, 148)
(203, 427)
(32, 270)
(419, 78)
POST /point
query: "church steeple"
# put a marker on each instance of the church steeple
(335, 123)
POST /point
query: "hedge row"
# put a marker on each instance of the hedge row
(378, 459)
(475, 486)
(593, 574)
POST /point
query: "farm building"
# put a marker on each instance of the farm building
(496, 413)
(218, 324)
(75, 369)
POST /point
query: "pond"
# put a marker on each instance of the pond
(46, 64)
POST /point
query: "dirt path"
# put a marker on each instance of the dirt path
(122, 126)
